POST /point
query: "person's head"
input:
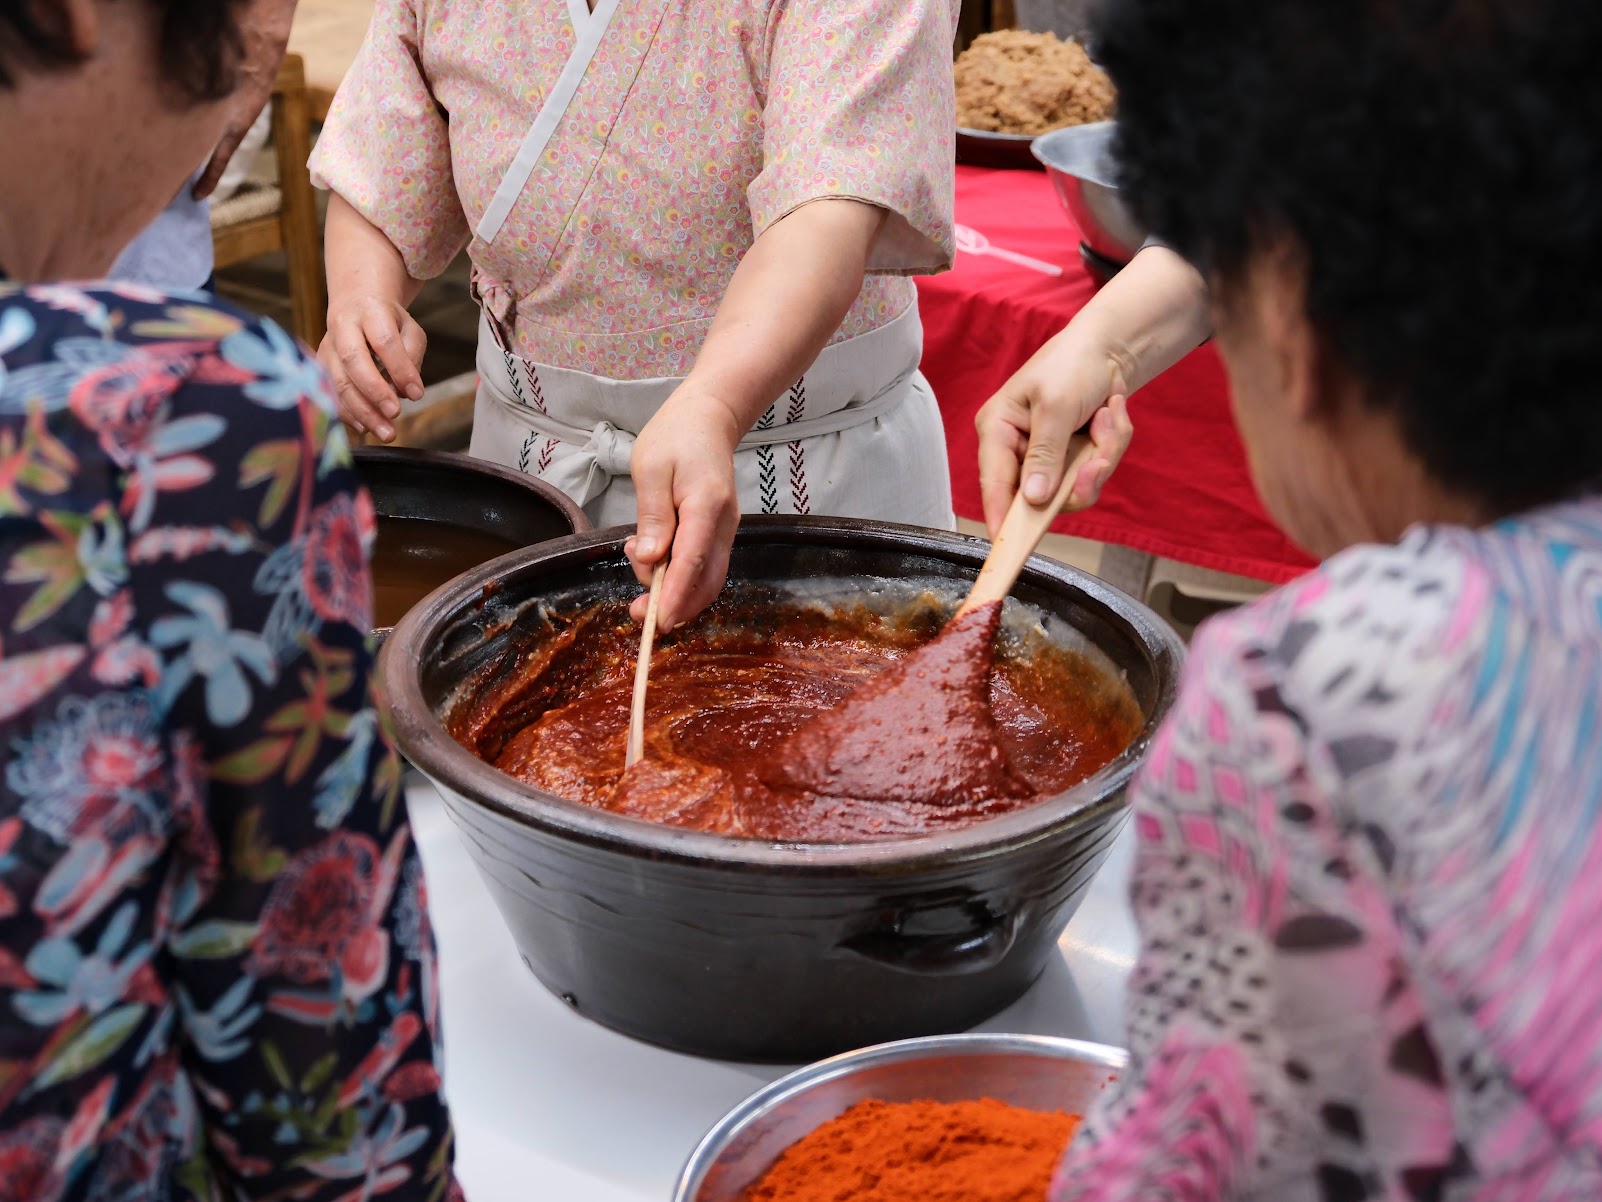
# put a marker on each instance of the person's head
(106, 108)
(1398, 206)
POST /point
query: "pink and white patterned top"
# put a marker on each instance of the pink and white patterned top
(1369, 890)
(699, 124)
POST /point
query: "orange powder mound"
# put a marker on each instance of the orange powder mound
(983, 1151)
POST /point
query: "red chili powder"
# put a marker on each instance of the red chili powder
(983, 1151)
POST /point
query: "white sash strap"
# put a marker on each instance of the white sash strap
(550, 116)
(613, 447)
(601, 453)
(579, 11)
(594, 420)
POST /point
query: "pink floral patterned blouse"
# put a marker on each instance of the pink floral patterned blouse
(1368, 881)
(699, 124)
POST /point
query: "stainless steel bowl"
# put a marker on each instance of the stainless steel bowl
(1031, 1071)
(983, 148)
(1079, 163)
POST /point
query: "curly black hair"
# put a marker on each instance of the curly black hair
(199, 42)
(1437, 165)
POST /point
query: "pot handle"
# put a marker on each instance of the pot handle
(976, 950)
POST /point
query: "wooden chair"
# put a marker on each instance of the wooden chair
(981, 16)
(442, 420)
(263, 218)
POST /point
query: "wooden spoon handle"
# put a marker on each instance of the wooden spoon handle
(1021, 531)
(642, 669)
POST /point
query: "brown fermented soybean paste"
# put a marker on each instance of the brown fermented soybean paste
(728, 690)
(412, 557)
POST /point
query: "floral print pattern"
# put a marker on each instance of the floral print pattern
(698, 125)
(216, 973)
(1367, 883)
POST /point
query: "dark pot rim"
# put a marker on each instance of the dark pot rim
(422, 738)
(451, 460)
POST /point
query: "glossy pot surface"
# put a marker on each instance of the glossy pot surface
(466, 503)
(749, 950)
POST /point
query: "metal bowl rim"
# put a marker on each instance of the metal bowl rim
(996, 135)
(795, 1083)
(1071, 133)
(422, 738)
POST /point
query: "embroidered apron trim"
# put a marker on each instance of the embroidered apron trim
(607, 449)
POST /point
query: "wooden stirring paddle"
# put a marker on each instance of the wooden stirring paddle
(921, 732)
(1021, 531)
(642, 669)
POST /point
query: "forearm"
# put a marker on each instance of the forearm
(1146, 319)
(361, 260)
(786, 301)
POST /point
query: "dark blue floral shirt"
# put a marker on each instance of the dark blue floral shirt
(216, 972)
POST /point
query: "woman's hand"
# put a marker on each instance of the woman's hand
(683, 467)
(364, 334)
(1149, 316)
(786, 300)
(1025, 428)
(368, 325)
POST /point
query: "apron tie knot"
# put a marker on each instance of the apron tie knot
(494, 297)
(612, 448)
(607, 453)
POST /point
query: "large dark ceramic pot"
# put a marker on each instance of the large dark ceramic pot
(747, 950)
(440, 514)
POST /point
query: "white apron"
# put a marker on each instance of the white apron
(859, 435)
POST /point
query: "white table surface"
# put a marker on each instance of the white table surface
(549, 1105)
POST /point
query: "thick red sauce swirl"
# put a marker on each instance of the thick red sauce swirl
(742, 738)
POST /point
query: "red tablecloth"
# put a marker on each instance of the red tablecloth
(1183, 490)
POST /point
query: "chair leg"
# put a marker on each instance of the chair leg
(303, 240)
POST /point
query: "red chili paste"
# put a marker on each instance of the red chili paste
(920, 731)
(741, 734)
